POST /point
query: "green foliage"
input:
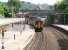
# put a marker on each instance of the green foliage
(6, 12)
(64, 6)
(14, 3)
(6, 9)
(60, 5)
(1, 8)
(26, 5)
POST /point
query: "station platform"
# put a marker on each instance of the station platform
(22, 37)
(65, 27)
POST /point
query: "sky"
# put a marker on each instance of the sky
(50, 2)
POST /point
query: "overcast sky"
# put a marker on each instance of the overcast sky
(50, 2)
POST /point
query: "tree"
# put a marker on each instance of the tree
(63, 5)
(13, 5)
(7, 12)
(60, 5)
(2, 5)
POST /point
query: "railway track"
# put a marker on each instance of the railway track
(37, 42)
(46, 40)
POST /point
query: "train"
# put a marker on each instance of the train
(36, 23)
(38, 26)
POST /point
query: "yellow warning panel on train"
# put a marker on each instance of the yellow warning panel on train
(38, 25)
